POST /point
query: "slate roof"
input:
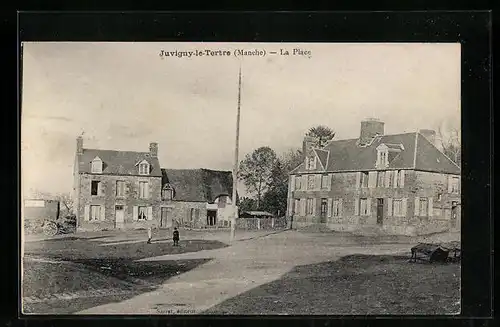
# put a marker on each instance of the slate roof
(198, 185)
(347, 155)
(118, 162)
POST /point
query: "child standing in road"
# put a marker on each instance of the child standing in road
(150, 235)
(176, 237)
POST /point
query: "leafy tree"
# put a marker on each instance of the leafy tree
(291, 159)
(247, 204)
(275, 199)
(322, 134)
(255, 171)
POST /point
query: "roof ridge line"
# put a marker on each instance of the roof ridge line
(415, 150)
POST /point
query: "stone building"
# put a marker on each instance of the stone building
(128, 189)
(398, 184)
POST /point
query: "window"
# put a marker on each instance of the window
(454, 184)
(192, 214)
(324, 206)
(297, 207)
(439, 196)
(143, 168)
(336, 208)
(143, 213)
(96, 166)
(397, 207)
(312, 163)
(222, 201)
(399, 178)
(298, 179)
(167, 194)
(310, 182)
(364, 179)
(389, 178)
(363, 207)
(95, 187)
(325, 182)
(423, 205)
(309, 207)
(380, 178)
(382, 158)
(143, 190)
(95, 213)
(120, 188)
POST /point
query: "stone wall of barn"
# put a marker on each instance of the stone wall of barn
(108, 199)
(431, 186)
(180, 214)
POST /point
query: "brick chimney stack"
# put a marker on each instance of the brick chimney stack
(79, 145)
(153, 149)
(370, 128)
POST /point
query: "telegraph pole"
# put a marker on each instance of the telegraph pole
(236, 162)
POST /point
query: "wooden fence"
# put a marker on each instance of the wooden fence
(261, 223)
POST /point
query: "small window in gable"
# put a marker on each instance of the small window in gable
(144, 168)
(96, 165)
(312, 163)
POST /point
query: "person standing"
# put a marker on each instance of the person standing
(176, 237)
(150, 234)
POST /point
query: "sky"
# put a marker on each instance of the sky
(125, 95)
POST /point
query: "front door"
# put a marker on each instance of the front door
(119, 216)
(211, 217)
(165, 218)
(324, 206)
(380, 211)
(454, 213)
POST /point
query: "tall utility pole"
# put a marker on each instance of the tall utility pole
(236, 162)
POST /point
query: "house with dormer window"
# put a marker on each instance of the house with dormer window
(127, 189)
(396, 184)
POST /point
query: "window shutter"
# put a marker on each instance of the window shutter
(356, 206)
(372, 179)
(304, 182)
(329, 208)
(135, 213)
(307, 163)
(369, 206)
(402, 179)
(389, 206)
(103, 213)
(127, 188)
(101, 190)
(417, 206)
(86, 213)
(318, 182)
(405, 203)
(340, 207)
(302, 207)
(314, 207)
(146, 186)
(430, 211)
(329, 183)
(358, 179)
(395, 178)
(292, 182)
(150, 213)
(449, 183)
(387, 179)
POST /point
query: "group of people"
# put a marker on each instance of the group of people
(175, 236)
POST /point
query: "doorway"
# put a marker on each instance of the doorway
(454, 213)
(380, 211)
(119, 216)
(324, 207)
(211, 217)
(165, 218)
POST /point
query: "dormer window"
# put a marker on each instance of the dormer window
(144, 168)
(96, 166)
(382, 157)
(310, 163)
(167, 193)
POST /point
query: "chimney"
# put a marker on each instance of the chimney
(153, 149)
(79, 145)
(370, 128)
(307, 146)
(429, 134)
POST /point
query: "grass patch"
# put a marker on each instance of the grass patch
(355, 285)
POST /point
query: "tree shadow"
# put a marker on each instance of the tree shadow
(354, 285)
(94, 282)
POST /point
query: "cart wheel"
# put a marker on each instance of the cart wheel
(50, 228)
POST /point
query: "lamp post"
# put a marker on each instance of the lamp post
(236, 163)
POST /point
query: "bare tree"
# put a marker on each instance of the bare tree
(449, 137)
